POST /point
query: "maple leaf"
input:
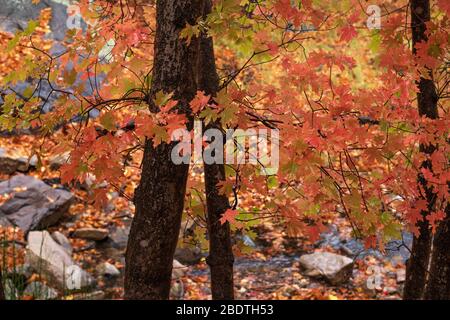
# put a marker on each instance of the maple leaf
(200, 101)
(229, 216)
(434, 218)
(189, 31)
(100, 197)
(348, 33)
(169, 105)
(445, 5)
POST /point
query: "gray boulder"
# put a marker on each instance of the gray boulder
(119, 237)
(33, 205)
(335, 268)
(4, 222)
(15, 14)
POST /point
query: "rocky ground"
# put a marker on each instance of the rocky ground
(57, 246)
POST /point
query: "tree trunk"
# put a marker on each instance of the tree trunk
(2, 292)
(438, 287)
(417, 270)
(220, 259)
(159, 199)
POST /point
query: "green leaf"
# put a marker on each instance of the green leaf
(374, 44)
(161, 98)
(189, 31)
(70, 77)
(108, 121)
(272, 182)
(32, 24)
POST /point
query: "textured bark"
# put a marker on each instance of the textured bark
(2, 292)
(220, 259)
(159, 199)
(417, 268)
(438, 287)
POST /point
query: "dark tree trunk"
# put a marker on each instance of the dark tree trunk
(417, 271)
(2, 292)
(220, 259)
(159, 199)
(438, 287)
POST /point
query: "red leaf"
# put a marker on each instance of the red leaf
(348, 33)
(199, 102)
(229, 216)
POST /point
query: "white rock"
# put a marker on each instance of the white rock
(50, 259)
(77, 278)
(401, 275)
(108, 269)
(58, 160)
(178, 269)
(177, 290)
(333, 267)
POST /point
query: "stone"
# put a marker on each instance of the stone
(77, 278)
(16, 14)
(13, 160)
(177, 290)
(335, 268)
(95, 295)
(47, 257)
(119, 237)
(178, 269)
(188, 255)
(389, 290)
(50, 259)
(62, 241)
(56, 161)
(40, 291)
(401, 275)
(108, 270)
(4, 222)
(23, 271)
(32, 204)
(304, 283)
(91, 234)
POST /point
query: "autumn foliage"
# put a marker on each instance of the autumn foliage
(342, 95)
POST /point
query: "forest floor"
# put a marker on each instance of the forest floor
(270, 271)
